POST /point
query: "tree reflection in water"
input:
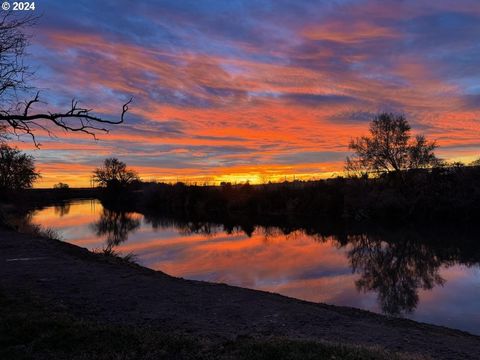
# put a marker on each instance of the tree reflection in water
(395, 270)
(116, 226)
(62, 209)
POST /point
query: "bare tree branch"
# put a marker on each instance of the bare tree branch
(389, 148)
(84, 121)
(16, 117)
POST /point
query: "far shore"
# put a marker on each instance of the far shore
(111, 291)
(438, 196)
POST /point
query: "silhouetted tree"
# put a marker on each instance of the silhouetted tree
(61, 185)
(17, 117)
(17, 170)
(475, 162)
(114, 174)
(390, 148)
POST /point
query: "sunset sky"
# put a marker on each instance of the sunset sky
(252, 90)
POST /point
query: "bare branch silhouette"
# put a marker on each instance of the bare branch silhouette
(26, 123)
(17, 117)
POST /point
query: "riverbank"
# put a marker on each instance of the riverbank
(29, 330)
(111, 292)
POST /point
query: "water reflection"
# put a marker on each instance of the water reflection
(395, 270)
(394, 265)
(62, 209)
(115, 226)
(194, 227)
(431, 276)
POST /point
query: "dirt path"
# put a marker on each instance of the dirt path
(95, 288)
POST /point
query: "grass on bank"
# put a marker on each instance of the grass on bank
(24, 225)
(109, 253)
(29, 330)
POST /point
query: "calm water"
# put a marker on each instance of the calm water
(391, 274)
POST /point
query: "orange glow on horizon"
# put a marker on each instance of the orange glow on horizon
(80, 176)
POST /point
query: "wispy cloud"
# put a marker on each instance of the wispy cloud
(267, 87)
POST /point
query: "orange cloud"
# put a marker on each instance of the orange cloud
(349, 33)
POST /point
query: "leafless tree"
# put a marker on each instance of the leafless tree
(114, 174)
(17, 116)
(390, 148)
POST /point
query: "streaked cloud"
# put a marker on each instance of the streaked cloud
(254, 88)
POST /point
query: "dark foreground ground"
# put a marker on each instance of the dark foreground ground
(58, 300)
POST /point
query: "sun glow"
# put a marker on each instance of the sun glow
(82, 176)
